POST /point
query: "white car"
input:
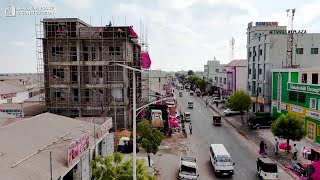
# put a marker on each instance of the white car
(229, 112)
(217, 99)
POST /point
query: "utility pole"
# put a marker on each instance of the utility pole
(50, 166)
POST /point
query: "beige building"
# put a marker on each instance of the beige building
(81, 77)
(26, 147)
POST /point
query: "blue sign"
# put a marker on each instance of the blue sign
(266, 23)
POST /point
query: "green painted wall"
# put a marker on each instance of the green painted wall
(285, 98)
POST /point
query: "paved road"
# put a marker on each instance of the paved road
(243, 152)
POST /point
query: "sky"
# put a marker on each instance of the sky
(181, 34)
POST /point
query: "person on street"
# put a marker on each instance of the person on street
(276, 147)
(295, 152)
(263, 148)
(190, 128)
(217, 104)
(206, 102)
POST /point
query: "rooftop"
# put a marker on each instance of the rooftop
(238, 62)
(39, 135)
(6, 88)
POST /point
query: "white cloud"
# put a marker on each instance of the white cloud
(78, 5)
(42, 3)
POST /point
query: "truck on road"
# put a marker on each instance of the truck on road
(188, 168)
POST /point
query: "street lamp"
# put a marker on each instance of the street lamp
(134, 123)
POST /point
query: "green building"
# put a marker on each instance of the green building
(297, 91)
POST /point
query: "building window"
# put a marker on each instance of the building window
(249, 71)
(318, 104)
(217, 70)
(224, 80)
(304, 78)
(299, 50)
(85, 54)
(58, 72)
(314, 78)
(260, 71)
(259, 89)
(260, 52)
(73, 53)
(87, 95)
(314, 50)
(312, 103)
(250, 53)
(57, 50)
(318, 130)
(302, 97)
(220, 79)
(9, 100)
(75, 94)
(293, 96)
(113, 51)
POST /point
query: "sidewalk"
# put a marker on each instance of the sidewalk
(266, 135)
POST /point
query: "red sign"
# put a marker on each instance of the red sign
(9, 95)
(77, 148)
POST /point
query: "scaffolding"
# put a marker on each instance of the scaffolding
(81, 78)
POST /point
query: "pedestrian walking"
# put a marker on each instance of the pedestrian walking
(276, 147)
(190, 128)
(217, 104)
(295, 152)
(263, 148)
(206, 102)
(304, 152)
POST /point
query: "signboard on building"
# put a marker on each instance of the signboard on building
(313, 114)
(283, 105)
(260, 100)
(279, 93)
(303, 88)
(288, 32)
(9, 95)
(105, 127)
(296, 109)
(77, 148)
(266, 23)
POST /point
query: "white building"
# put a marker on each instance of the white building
(211, 69)
(12, 94)
(267, 49)
(26, 147)
(231, 77)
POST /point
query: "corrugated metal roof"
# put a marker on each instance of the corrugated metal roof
(21, 139)
(6, 88)
(238, 62)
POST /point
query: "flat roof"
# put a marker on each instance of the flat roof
(50, 132)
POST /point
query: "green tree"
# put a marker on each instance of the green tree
(202, 84)
(182, 77)
(193, 79)
(149, 137)
(114, 168)
(177, 75)
(240, 101)
(190, 72)
(288, 127)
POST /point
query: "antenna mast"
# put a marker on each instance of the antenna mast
(289, 61)
(231, 42)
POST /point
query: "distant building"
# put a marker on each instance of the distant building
(26, 147)
(231, 77)
(211, 69)
(297, 91)
(267, 49)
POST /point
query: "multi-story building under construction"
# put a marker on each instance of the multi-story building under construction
(80, 73)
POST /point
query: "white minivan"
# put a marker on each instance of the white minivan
(221, 160)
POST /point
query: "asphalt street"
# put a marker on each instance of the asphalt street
(243, 152)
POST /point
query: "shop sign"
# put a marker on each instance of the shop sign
(266, 23)
(260, 100)
(105, 127)
(283, 105)
(77, 148)
(313, 114)
(303, 88)
(289, 32)
(9, 95)
(296, 109)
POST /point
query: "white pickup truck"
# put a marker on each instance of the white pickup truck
(188, 168)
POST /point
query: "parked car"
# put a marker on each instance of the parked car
(260, 120)
(217, 99)
(267, 169)
(230, 112)
(188, 168)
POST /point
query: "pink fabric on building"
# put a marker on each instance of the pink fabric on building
(132, 32)
(145, 60)
(316, 166)
(173, 122)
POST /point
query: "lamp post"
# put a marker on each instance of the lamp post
(134, 123)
